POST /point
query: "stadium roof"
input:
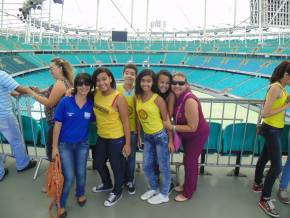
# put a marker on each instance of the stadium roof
(143, 19)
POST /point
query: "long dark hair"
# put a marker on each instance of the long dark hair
(279, 72)
(83, 77)
(103, 70)
(145, 72)
(164, 73)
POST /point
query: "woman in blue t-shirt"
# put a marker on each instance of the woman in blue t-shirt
(70, 137)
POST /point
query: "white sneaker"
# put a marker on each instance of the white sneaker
(158, 199)
(148, 194)
(112, 199)
(131, 188)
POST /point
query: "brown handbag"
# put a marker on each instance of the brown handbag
(54, 184)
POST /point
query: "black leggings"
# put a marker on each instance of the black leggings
(49, 142)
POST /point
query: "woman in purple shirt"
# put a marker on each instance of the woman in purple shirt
(193, 130)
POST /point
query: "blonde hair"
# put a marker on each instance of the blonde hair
(67, 69)
(179, 74)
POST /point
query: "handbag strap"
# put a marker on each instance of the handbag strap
(179, 106)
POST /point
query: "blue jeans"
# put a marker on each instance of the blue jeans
(272, 151)
(156, 151)
(110, 149)
(131, 161)
(286, 170)
(74, 164)
(9, 128)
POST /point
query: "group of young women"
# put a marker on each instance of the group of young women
(155, 106)
(145, 102)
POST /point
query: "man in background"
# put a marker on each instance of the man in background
(9, 126)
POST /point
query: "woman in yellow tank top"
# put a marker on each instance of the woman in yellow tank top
(273, 122)
(112, 120)
(151, 110)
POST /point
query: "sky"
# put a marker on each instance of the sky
(177, 14)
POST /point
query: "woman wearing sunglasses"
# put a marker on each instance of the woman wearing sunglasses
(70, 137)
(62, 72)
(193, 130)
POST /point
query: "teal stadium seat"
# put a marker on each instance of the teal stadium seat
(285, 139)
(93, 136)
(213, 143)
(44, 127)
(31, 130)
(239, 139)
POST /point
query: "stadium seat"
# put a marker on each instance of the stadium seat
(212, 145)
(31, 130)
(93, 135)
(285, 139)
(239, 139)
(44, 127)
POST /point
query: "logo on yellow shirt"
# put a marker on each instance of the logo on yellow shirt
(101, 109)
(142, 114)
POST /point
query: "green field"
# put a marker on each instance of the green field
(226, 112)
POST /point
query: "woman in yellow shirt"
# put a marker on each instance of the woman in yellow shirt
(273, 123)
(112, 120)
(151, 110)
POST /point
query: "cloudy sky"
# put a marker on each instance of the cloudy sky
(178, 14)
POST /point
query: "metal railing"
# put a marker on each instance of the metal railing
(231, 148)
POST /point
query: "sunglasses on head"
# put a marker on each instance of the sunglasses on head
(181, 83)
(81, 83)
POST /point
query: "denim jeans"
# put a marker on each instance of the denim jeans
(286, 170)
(131, 161)
(156, 151)
(74, 164)
(272, 151)
(110, 149)
(9, 128)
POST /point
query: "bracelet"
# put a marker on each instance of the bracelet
(174, 128)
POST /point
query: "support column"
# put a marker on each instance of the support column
(204, 20)
(61, 24)
(147, 17)
(2, 14)
(132, 13)
(97, 19)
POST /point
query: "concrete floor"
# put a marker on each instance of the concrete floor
(217, 196)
